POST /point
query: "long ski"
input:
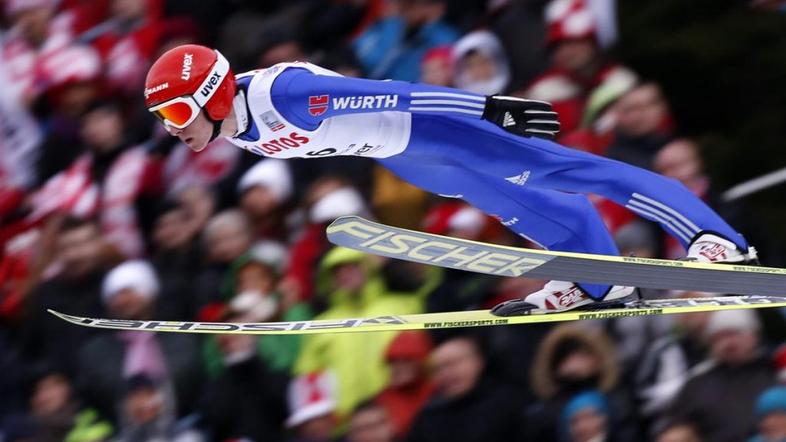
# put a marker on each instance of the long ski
(473, 318)
(379, 239)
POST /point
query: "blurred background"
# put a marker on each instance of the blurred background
(103, 214)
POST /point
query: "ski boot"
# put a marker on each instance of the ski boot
(711, 248)
(560, 296)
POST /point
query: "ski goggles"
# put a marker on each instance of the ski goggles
(181, 111)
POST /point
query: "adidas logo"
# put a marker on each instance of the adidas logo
(519, 179)
(508, 120)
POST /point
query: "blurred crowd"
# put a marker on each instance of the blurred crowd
(102, 214)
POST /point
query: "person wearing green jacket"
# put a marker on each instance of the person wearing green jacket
(355, 287)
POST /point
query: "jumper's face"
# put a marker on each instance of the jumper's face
(196, 135)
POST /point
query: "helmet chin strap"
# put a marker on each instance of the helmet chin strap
(216, 127)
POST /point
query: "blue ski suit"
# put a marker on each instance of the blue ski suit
(535, 186)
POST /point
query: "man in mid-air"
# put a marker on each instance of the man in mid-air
(493, 152)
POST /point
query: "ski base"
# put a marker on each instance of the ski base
(473, 318)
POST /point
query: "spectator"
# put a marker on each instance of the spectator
(394, 46)
(571, 359)
(409, 387)
(227, 237)
(175, 259)
(669, 361)
(522, 31)
(771, 415)
(37, 29)
(281, 49)
(682, 160)
(147, 413)
(586, 418)
(127, 40)
(312, 404)
(679, 432)
(72, 82)
(720, 399)
(81, 258)
(247, 398)
(370, 422)
(481, 64)
(354, 288)
(265, 191)
(458, 290)
(13, 388)
(468, 405)
(644, 125)
(114, 180)
(327, 199)
(255, 297)
(578, 64)
(129, 292)
(20, 140)
(56, 413)
(437, 66)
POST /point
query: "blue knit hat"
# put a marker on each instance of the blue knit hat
(588, 399)
(773, 400)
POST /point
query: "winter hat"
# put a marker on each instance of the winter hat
(772, 400)
(454, 216)
(568, 19)
(272, 174)
(486, 43)
(732, 320)
(338, 203)
(310, 396)
(413, 345)
(443, 53)
(136, 274)
(582, 401)
(270, 253)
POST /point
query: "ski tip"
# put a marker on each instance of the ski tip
(62, 316)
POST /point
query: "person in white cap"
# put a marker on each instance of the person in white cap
(722, 396)
(129, 292)
(312, 407)
(265, 190)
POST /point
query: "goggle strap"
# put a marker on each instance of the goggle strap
(206, 89)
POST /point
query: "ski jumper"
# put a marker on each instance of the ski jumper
(434, 138)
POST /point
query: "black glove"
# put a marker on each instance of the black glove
(527, 118)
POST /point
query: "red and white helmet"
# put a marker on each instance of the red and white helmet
(187, 79)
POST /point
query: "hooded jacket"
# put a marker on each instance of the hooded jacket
(357, 359)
